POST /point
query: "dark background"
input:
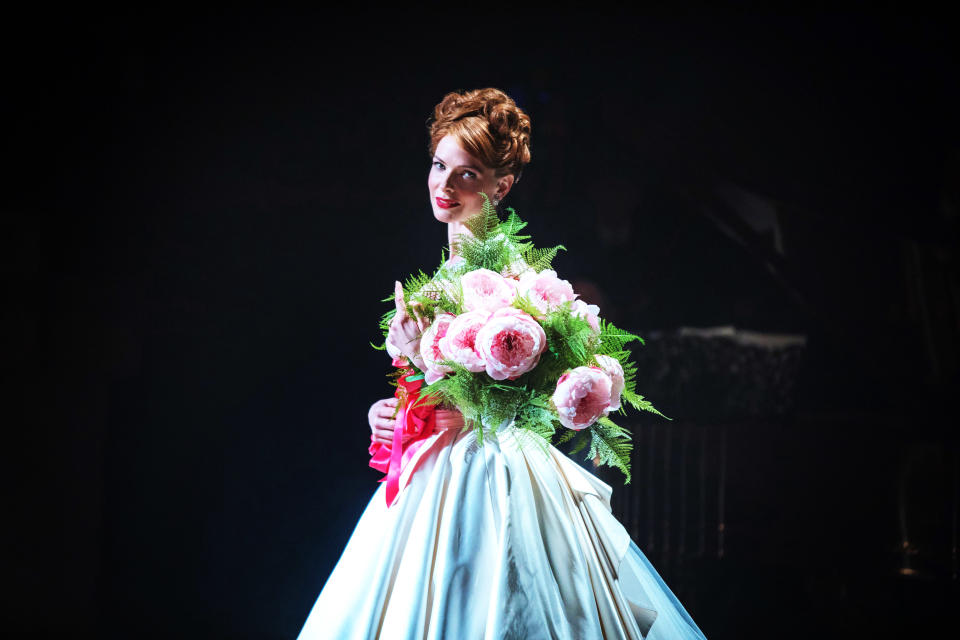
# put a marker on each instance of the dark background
(201, 214)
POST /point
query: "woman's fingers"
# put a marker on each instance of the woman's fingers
(422, 323)
(416, 307)
(383, 431)
(383, 420)
(398, 298)
(387, 407)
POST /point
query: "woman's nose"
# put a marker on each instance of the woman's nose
(448, 184)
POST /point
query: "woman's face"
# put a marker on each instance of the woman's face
(456, 180)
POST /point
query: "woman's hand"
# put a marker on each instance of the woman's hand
(405, 331)
(381, 419)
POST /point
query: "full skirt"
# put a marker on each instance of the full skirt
(496, 541)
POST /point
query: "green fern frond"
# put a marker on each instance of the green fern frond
(568, 337)
(524, 436)
(523, 303)
(537, 415)
(639, 402)
(612, 340)
(512, 226)
(612, 428)
(611, 445)
(485, 224)
(413, 284)
(489, 253)
(580, 441)
(541, 259)
(386, 319)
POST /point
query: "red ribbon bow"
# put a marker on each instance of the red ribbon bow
(416, 421)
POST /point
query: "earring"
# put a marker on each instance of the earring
(496, 200)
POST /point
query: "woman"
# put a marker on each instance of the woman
(486, 540)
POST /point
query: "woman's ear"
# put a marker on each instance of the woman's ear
(503, 186)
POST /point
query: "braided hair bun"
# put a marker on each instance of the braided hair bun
(488, 124)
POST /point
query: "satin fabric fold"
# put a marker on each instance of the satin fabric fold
(504, 540)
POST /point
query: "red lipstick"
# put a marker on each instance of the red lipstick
(443, 203)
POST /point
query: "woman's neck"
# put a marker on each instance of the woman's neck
(454, 229)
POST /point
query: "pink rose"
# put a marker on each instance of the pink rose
(582, 396)
(545, 289)
(430, 348)
(589, 312)
(460, 342)
(486, 290)
(511, 343)
(612, 367)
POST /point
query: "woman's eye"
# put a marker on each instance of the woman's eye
(469, 174)
(438, 165)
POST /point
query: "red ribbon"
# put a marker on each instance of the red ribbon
(416, 421)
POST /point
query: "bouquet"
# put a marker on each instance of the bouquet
(510, 344)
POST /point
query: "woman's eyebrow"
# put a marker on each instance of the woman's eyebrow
(463, 166)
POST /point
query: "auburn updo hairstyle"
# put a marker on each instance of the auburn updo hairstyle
(488, 125)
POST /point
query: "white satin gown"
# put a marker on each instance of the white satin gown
(494, 542)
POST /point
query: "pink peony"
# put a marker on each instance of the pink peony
(460, 342)
(511, 343)
(582, 396)
(612, 367)
(590, 312)
(430, 348)
(545, 290)
(486, 290)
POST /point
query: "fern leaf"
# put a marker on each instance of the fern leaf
(611, 445)
(639, 402)
(580, 442)
(540, 259)
(484, 224)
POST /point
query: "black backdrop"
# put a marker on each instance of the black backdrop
(203, 212)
